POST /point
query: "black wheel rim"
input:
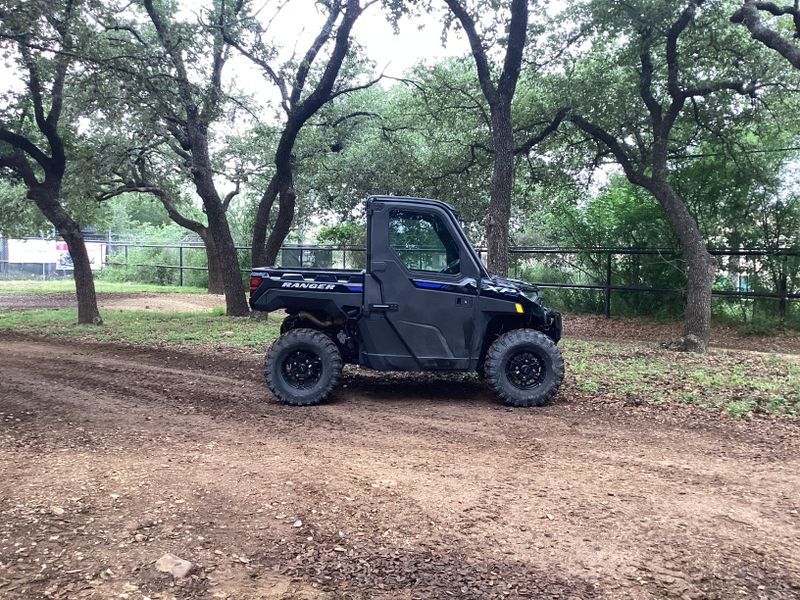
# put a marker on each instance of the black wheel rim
(525, 370)
(302, 369)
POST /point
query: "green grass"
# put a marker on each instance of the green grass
(209, 328)
(737, 382)
(68, 285)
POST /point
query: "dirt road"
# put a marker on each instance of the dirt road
(404, 487)
(155, 301)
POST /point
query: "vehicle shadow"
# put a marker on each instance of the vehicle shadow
(413, 387)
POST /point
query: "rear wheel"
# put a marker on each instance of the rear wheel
(302, 367)
(524, 367)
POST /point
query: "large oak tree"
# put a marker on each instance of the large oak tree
(666, 92)
(44, 39)
(172, 70)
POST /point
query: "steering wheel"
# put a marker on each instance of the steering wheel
(452, 266)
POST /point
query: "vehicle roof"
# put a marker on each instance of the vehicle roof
(411, 199)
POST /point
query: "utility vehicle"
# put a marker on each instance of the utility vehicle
(424, 302)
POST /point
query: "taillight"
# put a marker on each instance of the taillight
(254, 283)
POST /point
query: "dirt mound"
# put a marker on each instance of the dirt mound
(402, 487)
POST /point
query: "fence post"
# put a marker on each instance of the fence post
(344, 258)
(608, 285)
(180, 264)
(126, 256)
(783, 289)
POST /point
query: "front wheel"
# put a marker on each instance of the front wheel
(524, 367)
(302, 367)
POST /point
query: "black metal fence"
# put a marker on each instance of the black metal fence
(630, 274)
(741, 274)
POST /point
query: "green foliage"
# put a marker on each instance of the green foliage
(343, 234)
(158, 266)
(415, 139)
(38, 40)
(19, 216)
(133, 215)
(138, 266)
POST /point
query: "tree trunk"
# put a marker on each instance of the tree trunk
(215, 283)
(499, 215)
(47, 201)
(281, 187)
(214, 269)
(700, 272)
(84, 278)
(228, 261)
(265, 249)
(283, 222)
(259, 241)
(202, 174)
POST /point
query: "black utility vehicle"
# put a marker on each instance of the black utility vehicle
(424, 302)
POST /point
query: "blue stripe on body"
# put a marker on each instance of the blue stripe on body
(430, 285)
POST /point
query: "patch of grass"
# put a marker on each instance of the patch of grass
(208, 328)
(741, 408)
(68, 286)
(737, 382)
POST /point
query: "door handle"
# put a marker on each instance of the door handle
(379, 266)
(384, 307)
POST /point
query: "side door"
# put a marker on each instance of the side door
(428, 282)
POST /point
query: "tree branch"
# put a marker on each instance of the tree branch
(161, 195)
(176, 58)
(278, 80)
(22, 143)
(748, 15)
(352, 115)
(535, 140)
(517, 32)
(322, 93)
(646, 83)
(230, 196)
(219, 54)
(355, 88)
(20, 166)
(705, 89)
(478, 51)
(633, 174)
(677, 28)
(311, 54)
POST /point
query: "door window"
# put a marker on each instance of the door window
(423, 242)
